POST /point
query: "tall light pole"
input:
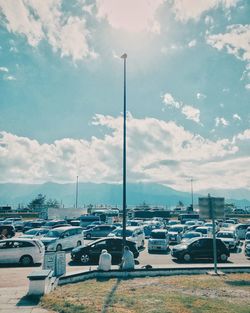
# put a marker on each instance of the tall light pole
(192, 193)
(124, 202)
(76, 192)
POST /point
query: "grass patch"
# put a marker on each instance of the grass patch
(174, 294)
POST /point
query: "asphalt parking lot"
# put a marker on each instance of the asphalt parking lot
(15, 275)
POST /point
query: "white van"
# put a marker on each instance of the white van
(23, 251)
(133, 233)
(63, 238)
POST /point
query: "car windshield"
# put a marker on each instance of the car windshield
(118, 233)
(54, 233)
(191, 235)
(31, 232)
(176, 229)
(225, 235)
(158, 235)
(202, 230)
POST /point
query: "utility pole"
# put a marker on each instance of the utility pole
(124, 198)
(76, 192)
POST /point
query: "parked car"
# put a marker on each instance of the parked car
(206, 231)
(190, 235)
(52, 223)
(18, 225)
(23, 251)
(176, 232)
(247, 238)
(241, 230)
(158, 241)
(35, 233)
(229, 238)
(32, 224)
(200, 248)
(7, 231)
(99, 231)
(75, 223)
(92, 251)
(63, 238)
(133, 233)
(247, 250)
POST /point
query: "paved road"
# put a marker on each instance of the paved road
(14, 276)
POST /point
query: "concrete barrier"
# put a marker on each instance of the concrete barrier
(154, 272)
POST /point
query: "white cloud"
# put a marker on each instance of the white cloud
(189, 111)
(192, 43)
(236, 117)
(9, 77)
(235, 41)
(45, 20)
(200, 96)
(221, 121)
(244, 136)
(158, 151)
(130, 15)
(193, 9)
(247, 86)
(4, 69)
(169, 101)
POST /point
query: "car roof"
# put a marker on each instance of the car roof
(65, 228)
(161, 230)
(19, 239)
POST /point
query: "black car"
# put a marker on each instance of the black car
(200, 248)
(91, 252)
(7, 231)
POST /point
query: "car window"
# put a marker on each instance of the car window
(22, 244)
(99, 244)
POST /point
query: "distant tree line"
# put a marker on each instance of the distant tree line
(40, 202)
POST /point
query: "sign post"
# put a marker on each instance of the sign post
(212, 208)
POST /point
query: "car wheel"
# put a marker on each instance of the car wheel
(85, 259)
(223, 257)
(59, 248)
(79, 243)
(142, 243)
(26, 260)
(88, 236)
(187, 257)
(149, 251)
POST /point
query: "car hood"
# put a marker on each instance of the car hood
(48, 239)
(180, 247)
(171, 233)
(27, 236)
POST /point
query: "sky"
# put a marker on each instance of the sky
(188, 91)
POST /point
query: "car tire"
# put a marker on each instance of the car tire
(59, 247)
(149, 251)
(26, 260)
(223, 257)
(142, 243)
(88, 236)
(187, 257)
(79, 243)
(85, 259)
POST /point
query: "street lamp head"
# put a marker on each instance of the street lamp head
(124, 56)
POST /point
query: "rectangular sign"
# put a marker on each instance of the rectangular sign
(209, 205)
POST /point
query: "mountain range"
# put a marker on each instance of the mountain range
(111, 194)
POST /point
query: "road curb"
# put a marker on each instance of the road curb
(83, 276)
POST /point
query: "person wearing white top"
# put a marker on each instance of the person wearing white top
(128, 262)
(105, 261)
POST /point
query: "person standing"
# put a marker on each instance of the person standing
(105, 261)
(128, 261)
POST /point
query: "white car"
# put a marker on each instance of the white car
(63, 238)
(206, 231)
(158, 241)
(133, 233)
(35, 233)
(229, 238)
(23, 251)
